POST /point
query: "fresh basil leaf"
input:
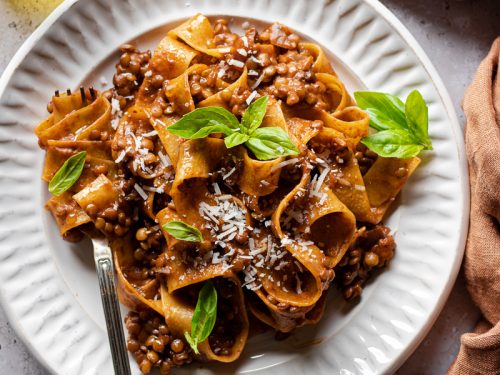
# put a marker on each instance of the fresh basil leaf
(380, 121)
(393, 143)
(212, 127)
(271, 143)
(193, 343)
(417, 117)
(235, 139)
(68, 174)
(253, 116)
(203, 121)
(182, 231)
(204, 316)
(387, 104)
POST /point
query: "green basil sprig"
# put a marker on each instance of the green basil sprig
(402, 127)
(266, 143)
(68, 174)
(204, 316)
(182, 231)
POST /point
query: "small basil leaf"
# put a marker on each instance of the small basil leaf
(204, 316)
(417, 118)
(182, 231)
(192, 342)
(388, 104)
(253, 116)
(212, 127)
(380, 121)
(68, 174)
(271, 143)
(235, 139)
(205, 312)
(192, 123)
(393, 143)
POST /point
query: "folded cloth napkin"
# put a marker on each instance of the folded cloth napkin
(480, 350)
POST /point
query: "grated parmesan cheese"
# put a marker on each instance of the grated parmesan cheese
(323, 198)
(236, 63)
(229, 174)
(153, 189)
(298, 287)
(152, 133)
(258, 82)
(284, 164)
(141, 192)
(251, 97)
(165, 160)
(121, 156)
(320, 181)
(217, 188)
(255, 60)
(161, 123)
(321, 161)
(116, 113)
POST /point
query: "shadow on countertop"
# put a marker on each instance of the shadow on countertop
(455, 34)
(472, 20)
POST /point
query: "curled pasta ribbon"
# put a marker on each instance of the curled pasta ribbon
(332, 225)
(178, 312)
(351, 123)
(336, 93)
(77, 124)
(98, 159)
(321, 63)
(185, 265)
(197, 159)
(368, 196)
(170, 142)
(67, 213)
(170, 59)
(222, 97)
(259, 178)
(178, 91)
(133, 292)
(198, 33)
(64, 133)
(383, 184)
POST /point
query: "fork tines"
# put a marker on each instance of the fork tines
(83, 94)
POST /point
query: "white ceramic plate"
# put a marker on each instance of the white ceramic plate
(48, 287)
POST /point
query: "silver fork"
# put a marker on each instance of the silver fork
(106, 275)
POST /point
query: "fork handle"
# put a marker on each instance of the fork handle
(105, 274)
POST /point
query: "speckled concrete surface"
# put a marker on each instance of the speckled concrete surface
(456, 34)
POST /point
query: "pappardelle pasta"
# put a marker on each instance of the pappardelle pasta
(228, 173)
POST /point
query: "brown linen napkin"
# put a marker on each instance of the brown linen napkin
(480, 351)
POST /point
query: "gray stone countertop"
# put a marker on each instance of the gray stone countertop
(455, 34)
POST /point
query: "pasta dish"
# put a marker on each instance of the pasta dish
(235, 180)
